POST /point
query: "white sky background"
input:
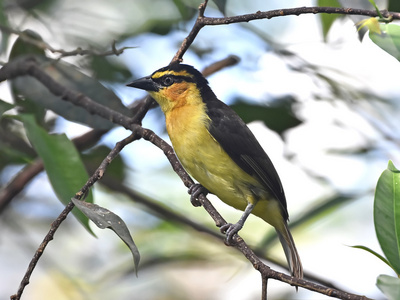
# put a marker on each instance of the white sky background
(261, 76)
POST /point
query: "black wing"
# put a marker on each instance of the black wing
(240, 144)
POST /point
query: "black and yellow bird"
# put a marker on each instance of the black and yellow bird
(216, 147)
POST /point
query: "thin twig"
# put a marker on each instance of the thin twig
(264, 287)
(78, 51)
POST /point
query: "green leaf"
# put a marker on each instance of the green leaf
(221, 5)
(4, 34)
(21, 47)
(187, 12)
(387, 215)
(105, 218)
(61, 161)
(96, 155)
(108, 69)
(14, 149)
(394, 5)
(374, 253)
(4, 106)
(388, 39)
(374, 5)
(279, 116)
(328, 19)
(390, 286)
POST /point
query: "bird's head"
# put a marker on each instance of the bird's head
(174, 86)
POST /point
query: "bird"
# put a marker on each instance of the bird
(216, 147)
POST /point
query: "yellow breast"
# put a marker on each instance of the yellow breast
(204, 159)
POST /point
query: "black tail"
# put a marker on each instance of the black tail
(291, 253)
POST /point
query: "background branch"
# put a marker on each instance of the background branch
(63, 53)
(202, 21)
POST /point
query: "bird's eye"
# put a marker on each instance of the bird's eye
(168, 80)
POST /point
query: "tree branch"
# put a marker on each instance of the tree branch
(202, 21)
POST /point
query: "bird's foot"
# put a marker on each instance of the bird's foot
(195, 190)
(230, 230)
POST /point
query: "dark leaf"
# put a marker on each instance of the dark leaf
(4, 106)
(394, 5)
(96, 155)
(279, 116)
(13, 146)
(161, 27)
(71, 78)
(104, 218)
(31, 4)
(4, 34)
(107, 69)
(37, 95)
(21, 47)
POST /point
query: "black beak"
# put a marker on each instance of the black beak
(145, 83)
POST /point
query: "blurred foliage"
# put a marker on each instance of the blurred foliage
(388, 38)
(328, 19)
(30, 93)
(278, 116)
(167, 246)
(390, 286)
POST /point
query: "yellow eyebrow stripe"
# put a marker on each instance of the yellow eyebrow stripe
(169, 72)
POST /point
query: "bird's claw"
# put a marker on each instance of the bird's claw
(195, 190)
(230, 230)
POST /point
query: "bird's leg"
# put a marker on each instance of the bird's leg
(195, 190)
(231, 229)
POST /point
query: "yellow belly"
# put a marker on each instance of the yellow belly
(205, 160)
(201, 155)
